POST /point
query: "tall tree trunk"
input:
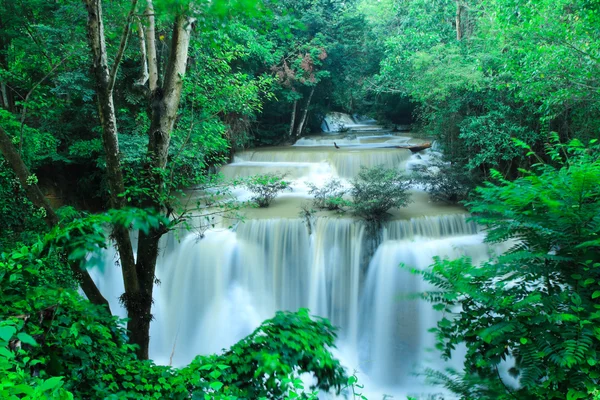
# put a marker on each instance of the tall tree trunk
(293, 121)
(139, 276)
(141, 37)
(458, 20)
(151, 47)
(305, 113)
(105, 78)
(165, 104)
(35, 195)
(3, 96)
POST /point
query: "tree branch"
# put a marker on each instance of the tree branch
(151, 47)
(126, 31)
(144, 78)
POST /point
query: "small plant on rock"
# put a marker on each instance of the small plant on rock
(376, 190)
(266, 187)
(445, 182)
(329, 196)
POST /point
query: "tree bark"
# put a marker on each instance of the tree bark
(151, 47)
(35, 195)
(144, 55)
(165, 104)
(4, 96)
(305, 113)
(106, 111)
(458, 21)
(293, 121)
(139, 276)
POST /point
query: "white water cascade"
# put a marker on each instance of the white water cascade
(215, 290)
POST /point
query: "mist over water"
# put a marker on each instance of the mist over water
(217, 289)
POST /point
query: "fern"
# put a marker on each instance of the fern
(538, 302)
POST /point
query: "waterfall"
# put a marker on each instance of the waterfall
(346, 162)
(395, 345)
(216, 289)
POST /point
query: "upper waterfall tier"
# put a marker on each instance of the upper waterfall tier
(339, 122)
(346, 161)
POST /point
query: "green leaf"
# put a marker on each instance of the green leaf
(51, 383)
(592, 361)
(6, 332)
(25, 338)
(596, 294)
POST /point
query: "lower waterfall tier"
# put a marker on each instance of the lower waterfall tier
(215, 290)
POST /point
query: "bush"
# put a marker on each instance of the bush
(538, 302)
(330, 196)
(376, 190)
(266, 187)
(445, 182)
(54, 344)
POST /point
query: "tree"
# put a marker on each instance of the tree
(376, 190)
(163, 101)
(54, 344)
(135, 176)
(266, 187)
(139, 274)
(538, 302)
(481, 73)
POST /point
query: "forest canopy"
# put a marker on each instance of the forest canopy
(111, 110)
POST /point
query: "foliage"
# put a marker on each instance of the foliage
(536, 304)
(267, 363)
(376, 190)
(482, 73)
(330, 196)
(266, 187)
(19, 217)
(54, 344)
(444, 181)
(489, 138)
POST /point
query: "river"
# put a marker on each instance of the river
(216, 289)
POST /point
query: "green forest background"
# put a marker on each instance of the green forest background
(509, 89)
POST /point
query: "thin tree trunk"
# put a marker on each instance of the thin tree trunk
(165, 104)
(106, 110)
(458, 21)
(305, 113)
(4, 95)
(144, 55)
(151, 47)
(35, 195)
(293, 121)
(3, 64)
(11, 154)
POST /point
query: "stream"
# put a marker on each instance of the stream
(216, 289)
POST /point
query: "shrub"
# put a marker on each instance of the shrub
(330, 196)
(537, 303)
(266, 187)
(376, 190)
(445, 182)
(54, 344)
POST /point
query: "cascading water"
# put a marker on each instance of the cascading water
(216, 289)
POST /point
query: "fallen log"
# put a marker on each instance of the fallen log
(415, 148)
(419, 147)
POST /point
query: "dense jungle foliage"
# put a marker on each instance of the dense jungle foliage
(109, 110)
